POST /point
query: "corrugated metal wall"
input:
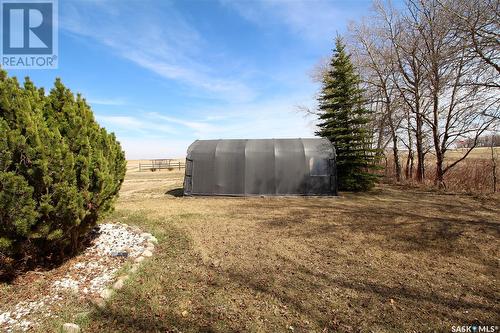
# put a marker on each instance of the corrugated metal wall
(261, 167)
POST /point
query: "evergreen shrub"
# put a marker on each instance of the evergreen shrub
(60, 172)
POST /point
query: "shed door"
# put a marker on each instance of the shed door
(188, 177)
(333, 176)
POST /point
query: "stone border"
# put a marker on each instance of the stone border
(107, 293)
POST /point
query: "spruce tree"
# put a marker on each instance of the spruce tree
(344, 121)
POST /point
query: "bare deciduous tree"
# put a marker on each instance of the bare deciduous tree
(433, 64)
(430, 72)
(374, 57)
(477, 23)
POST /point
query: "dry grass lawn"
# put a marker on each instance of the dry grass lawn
(393, 260)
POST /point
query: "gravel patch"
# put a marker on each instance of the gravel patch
(88, 277)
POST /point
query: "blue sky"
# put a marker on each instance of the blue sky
(161, 74)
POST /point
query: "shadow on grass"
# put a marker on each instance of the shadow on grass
(409, 225)
(126, 320)
(359, 302)
(176, 192)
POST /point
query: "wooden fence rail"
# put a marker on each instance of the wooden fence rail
(162, 164)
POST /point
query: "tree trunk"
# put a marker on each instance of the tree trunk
(397, 165)
(409, 158)
(395, 151)
(380, 139)
(409, 165)
(439, 178)
(388, 111)
(494, 165)
(420, 149)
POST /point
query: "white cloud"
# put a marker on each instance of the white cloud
(151, 148)
(133, 125)
(255, 125)
(314, 20)
(167, 46)
(198, 126)
(106, 101)
(172, 49)
(120, 121)
(273, 118)
(226, 89)
(153, 124)
(156, 135)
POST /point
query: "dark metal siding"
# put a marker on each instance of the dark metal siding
(263, 166)
(259, 167)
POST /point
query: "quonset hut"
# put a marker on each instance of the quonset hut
(261, 167)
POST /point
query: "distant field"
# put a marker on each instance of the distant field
(476, 153)
(474, 174)
(393, 260)
(453, 154)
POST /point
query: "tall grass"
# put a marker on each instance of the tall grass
(472, 175)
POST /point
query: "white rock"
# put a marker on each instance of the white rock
(123, 278)
(100, 303)
(117, 238)
(106, 293)
(4, 317)
(147, 253)
(94, 271)
(70, 328)
(66, 283)
(118, 285)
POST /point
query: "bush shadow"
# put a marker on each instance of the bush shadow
(12, 268)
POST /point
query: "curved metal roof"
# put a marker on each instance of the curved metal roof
(310, 144)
